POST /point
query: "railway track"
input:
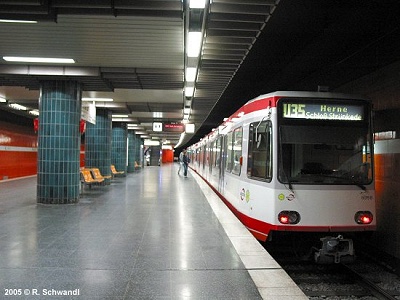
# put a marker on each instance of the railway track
(373, 287)
(365, 279)
(342, 281)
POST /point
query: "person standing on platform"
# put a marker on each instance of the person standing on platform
(186, 161)
(180, 159)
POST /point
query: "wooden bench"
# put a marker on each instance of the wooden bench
(114, 171)
(137, 166)
(97, 175)
(87, 178)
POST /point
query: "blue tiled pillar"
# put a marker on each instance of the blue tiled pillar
(134, 146)
(98, 142)
(119, 146)
(139, 150)
(59, 142)
(131, 151)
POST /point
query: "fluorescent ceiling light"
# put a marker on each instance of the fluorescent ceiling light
(98, 99)
(39, 59)
(194, 44)
(186, 110)
(190, 74)
(34, 112)
(17, 106)
(120, 116)
(2, 99)
(197, 4)
(17, 21)
(189, 90)
(136, 127)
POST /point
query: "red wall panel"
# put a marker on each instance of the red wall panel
(18, 151)
(167, 156)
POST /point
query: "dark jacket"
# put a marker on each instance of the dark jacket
(185, 159)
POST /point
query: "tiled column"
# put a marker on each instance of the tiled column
(139, 151)
(98, 142)
(59, 142)
(119, 146)
(131, 151)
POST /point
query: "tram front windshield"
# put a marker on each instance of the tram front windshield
(325, 153)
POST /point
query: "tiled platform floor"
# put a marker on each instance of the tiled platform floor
(150, 235)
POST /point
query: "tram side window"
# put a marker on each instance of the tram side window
(237, 150)
(229, 153)
(260, 151)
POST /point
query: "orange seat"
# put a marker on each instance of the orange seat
(87, 178)
(97, 175)
(114, 171)
(137, 166)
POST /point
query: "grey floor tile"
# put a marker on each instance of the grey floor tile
(150, 235)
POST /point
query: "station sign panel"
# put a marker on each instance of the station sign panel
(88, 113)
(174, 127)
(157, 126)
(189, 128)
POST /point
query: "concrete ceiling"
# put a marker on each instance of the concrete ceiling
(133, 51)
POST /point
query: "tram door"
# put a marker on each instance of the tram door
(222, 159)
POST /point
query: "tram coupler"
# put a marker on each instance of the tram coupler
(335, 250)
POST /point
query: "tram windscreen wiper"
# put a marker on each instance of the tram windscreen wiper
(346, 179)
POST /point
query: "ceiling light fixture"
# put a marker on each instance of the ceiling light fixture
(17, 106)
(194, 44)
(197, 4)
(3, 100)
(34, 112)
(39, 59)
(189, 90)
(190, 74)
(98, 99)
(17, 21)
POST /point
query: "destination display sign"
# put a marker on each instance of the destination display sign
(323, 111)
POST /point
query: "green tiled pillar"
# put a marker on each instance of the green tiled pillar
(131, 151)
(139, 150)
(59, 142)
(134, 146)
(119, 146)
(98, 142)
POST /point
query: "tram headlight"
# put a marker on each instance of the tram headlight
(363, 217)
(289, 217)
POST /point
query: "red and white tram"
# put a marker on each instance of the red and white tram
(295, 162)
